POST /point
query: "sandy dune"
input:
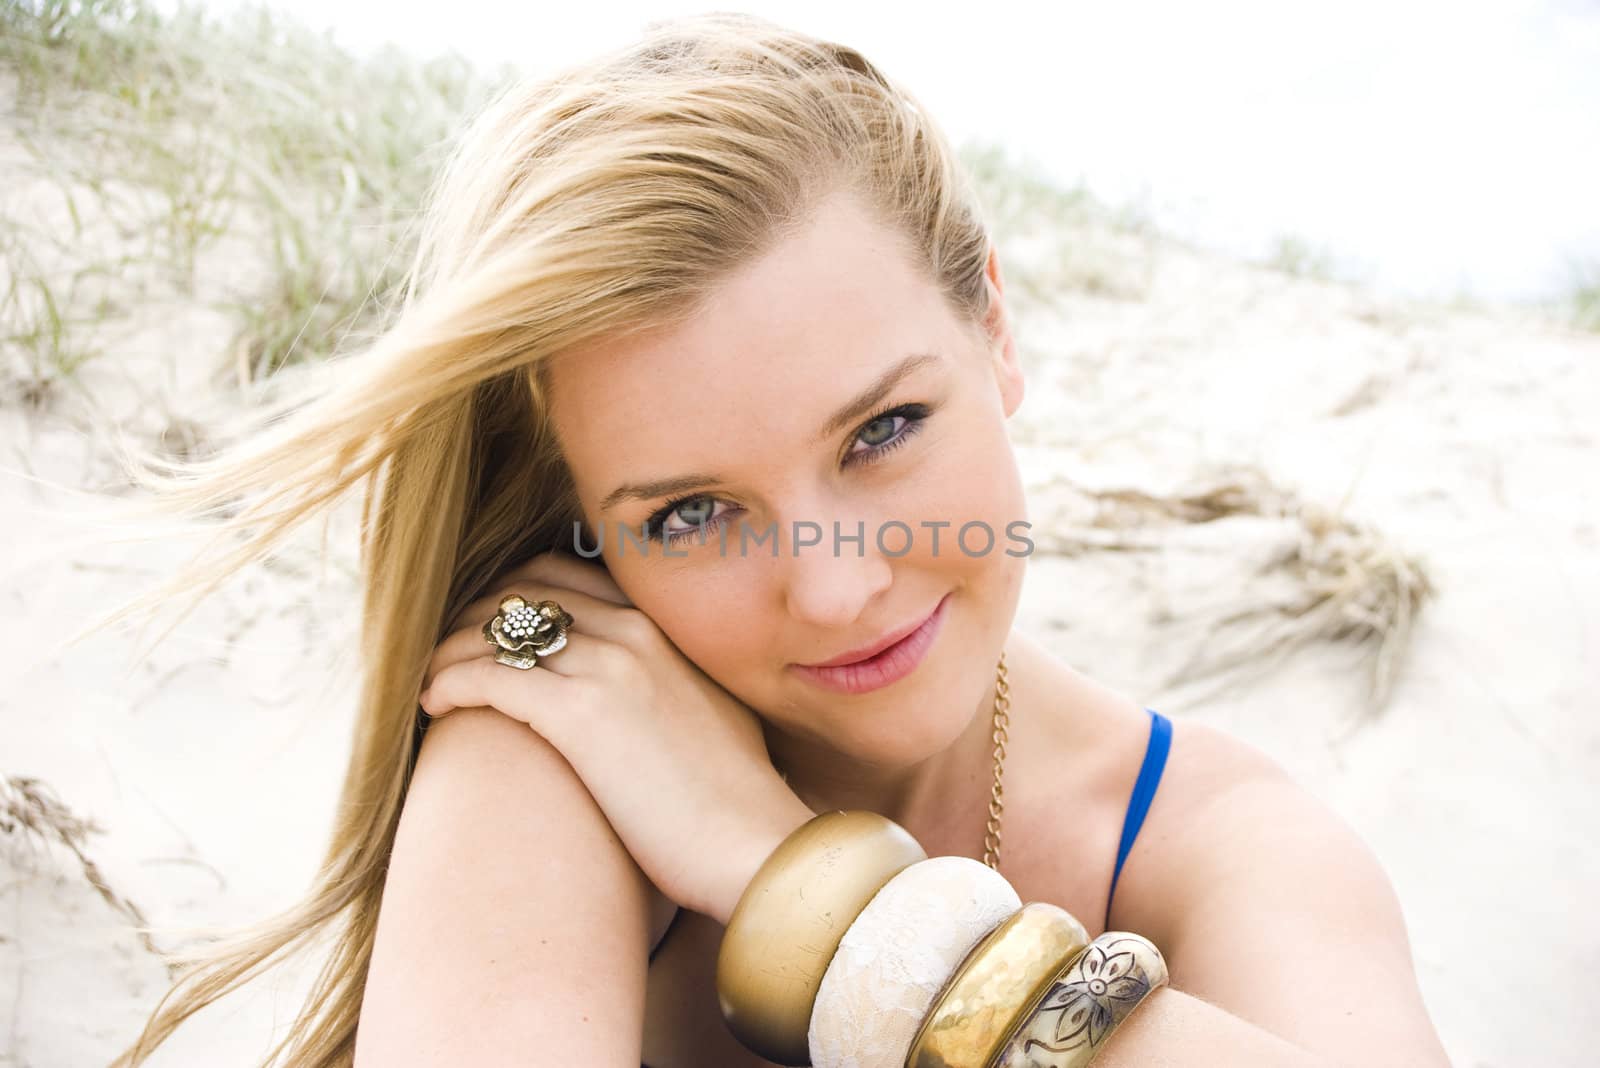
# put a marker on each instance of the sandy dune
(1460, 437)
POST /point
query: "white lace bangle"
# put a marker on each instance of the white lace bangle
(896, 957)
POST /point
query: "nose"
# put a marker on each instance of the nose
(829, 583)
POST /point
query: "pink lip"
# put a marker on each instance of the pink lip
(890, 663)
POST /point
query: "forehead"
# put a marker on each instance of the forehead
(778, 346)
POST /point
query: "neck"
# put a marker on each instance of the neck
(917, 797)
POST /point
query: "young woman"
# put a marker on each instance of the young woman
(707, 344)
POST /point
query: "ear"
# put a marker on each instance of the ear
(1002, 346)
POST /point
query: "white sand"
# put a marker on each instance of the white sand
(214, 766)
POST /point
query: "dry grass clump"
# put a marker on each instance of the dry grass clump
(1321, 578)
(32, 818)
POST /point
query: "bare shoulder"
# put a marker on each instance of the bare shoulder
(1205, 763)
(1221, 808)
(1267, 903)
(1264, 901)
(512, 916)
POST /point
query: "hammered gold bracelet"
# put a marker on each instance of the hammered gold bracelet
(788, 924)
(1001, 981)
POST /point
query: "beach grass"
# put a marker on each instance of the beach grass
(246, 162)
(170, 133)
(175, 131)
(1583, 295)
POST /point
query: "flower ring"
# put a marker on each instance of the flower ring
(521, 631)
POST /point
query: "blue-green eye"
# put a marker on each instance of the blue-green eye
(880, 434)
(885, 424)
(695, 511)
(890, 436)
(655, 527)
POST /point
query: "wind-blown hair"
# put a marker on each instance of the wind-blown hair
(611, 197)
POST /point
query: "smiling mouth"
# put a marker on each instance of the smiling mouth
(877, 648)
(883, 668)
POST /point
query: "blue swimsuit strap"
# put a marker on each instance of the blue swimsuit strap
(1144, 790)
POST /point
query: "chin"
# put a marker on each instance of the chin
(904, 729)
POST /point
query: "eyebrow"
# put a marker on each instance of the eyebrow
(852, 409)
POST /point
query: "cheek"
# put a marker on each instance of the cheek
(694, 607)
(968, 477)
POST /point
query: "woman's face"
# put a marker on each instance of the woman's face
(739, 407)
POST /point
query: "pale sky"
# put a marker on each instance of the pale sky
(1433, 147)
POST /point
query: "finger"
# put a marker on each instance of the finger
(573, 572)
(554, 705)
(481, 682)
(592, 618)
(447, 711)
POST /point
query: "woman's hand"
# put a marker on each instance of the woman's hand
(677, 764)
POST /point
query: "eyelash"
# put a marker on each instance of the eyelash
(914, 414)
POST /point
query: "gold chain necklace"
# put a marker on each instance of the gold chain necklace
(1002, 722)
(1000, 734)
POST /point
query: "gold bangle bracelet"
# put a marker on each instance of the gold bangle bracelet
(1086, 1003)
(996, 987)
(788, 923)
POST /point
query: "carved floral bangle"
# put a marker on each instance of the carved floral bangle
(1086, 1003)
(790, 919)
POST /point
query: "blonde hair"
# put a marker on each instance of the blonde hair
(608, 198)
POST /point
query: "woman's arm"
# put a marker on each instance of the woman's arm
(1283, 936)
(514, 923)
